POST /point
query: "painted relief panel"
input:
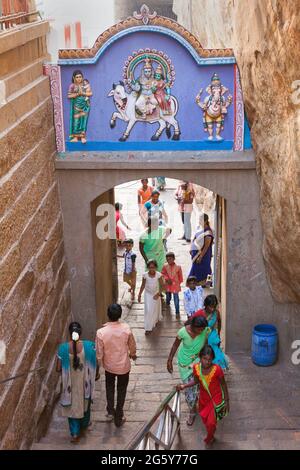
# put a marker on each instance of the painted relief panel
(148, 88)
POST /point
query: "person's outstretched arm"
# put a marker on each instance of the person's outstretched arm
(162, 285)
(99, 349)
(167, 232)
(193, 382)
(142, 251)
(207, 243)
(141, 290)
(165, 215)
(132, 347)
(226, 394)
(123, 221)
(180, 276)
(219, 320)
(174, 348)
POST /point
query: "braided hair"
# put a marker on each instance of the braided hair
(75, 333)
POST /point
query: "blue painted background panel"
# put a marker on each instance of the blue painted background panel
(190, 77)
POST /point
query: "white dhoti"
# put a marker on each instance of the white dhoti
(146, 104)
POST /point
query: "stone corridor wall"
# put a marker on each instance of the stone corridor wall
(34, 288)
(265, 36)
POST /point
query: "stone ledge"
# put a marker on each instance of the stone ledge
(156, 160)
(15, 81)
(23, 34)
(23, 102)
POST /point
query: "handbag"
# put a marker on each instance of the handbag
(221, 409)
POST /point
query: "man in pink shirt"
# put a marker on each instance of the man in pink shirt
(115, 346)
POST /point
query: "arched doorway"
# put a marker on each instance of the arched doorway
(108, 278)
(83, 181)
(113, 149)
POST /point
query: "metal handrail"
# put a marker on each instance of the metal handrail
(168, 425)
(24, 374)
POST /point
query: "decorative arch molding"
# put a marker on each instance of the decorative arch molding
(112, 69)
(146, 22)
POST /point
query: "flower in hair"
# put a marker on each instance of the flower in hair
(75, 336)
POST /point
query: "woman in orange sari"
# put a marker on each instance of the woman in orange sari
(144, 195)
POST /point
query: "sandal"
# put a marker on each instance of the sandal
(191, 419)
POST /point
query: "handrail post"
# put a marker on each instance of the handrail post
(162, 428)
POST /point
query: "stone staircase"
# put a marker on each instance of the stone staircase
(264, 401)
(261, 417)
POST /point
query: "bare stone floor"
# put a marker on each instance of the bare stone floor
(265, 402)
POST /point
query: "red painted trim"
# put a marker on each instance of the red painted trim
(78, 35)
(67, 36)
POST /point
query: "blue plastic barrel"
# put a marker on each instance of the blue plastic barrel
(264, 345)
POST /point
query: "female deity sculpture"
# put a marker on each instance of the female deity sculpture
(79, 93)
(161, 90)
(214, 107)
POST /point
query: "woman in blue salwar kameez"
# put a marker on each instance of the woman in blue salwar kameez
(76, 360)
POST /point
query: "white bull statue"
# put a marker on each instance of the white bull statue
(125, 104)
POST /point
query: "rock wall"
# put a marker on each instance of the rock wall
(265, 36)
(34, 289)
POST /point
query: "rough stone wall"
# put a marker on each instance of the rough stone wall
(265, 36)
(34, 289)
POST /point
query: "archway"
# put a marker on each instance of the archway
(108, 278)
(208, 152)
(83, 180)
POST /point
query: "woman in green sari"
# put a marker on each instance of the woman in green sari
(79, 93)
(152, 242)
(190, 340)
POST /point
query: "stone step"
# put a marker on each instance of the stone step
(17, 81)
(189, 440)
(260, 417)
(23, 102)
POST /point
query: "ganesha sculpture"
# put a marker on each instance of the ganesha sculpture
(214, 107)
